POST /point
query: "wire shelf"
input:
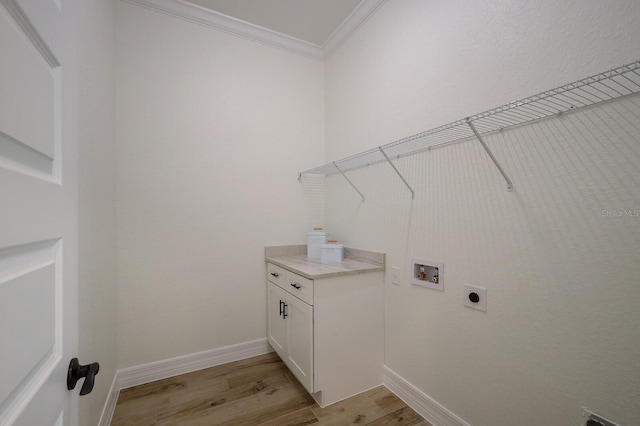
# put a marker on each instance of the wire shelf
(603, 87)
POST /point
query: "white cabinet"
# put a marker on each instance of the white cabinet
(290, 332)
(299, 350)
(277, 331)
(329, 331)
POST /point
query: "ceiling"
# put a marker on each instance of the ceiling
(310, 20)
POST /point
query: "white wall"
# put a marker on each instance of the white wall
(561, 330)
(212, 130)
(97, 200)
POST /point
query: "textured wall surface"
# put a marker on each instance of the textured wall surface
(559, 262)
(97, 200)
(212, 129)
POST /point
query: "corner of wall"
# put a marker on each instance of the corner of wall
(423, 404)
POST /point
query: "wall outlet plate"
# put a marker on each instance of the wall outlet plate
(395, 275)
(475, 297)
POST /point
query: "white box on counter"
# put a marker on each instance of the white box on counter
(332, 252)
(315, 240)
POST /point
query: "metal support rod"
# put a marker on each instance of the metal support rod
(351, 183)
(486, 148)
(413, 194)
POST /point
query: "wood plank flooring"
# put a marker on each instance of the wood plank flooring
(255, 391)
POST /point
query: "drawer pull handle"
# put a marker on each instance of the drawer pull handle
(281, 308)
(275, 274)
(296, 286)
(284, 310)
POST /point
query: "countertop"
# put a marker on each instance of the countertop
(294, 258)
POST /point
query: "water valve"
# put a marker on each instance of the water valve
(427, 273)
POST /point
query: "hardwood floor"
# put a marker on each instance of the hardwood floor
(255, 391)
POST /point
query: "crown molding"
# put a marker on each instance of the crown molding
(361, 14)
(203, 16)
(182, 9)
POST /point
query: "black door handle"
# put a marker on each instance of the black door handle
(77, 371)
(281, 309)
(284, 310)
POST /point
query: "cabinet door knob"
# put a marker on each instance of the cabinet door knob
(296, 286)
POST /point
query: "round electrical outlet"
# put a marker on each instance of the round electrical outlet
(475, 297)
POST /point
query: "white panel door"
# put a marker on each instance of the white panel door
(38, 221)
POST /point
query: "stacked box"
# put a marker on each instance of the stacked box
(315, 240)
(332, 252)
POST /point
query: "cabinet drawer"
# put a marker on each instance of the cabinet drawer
(276, 275)
(300, 287)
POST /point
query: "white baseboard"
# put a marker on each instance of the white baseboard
(153, 371)
(422, 403)
(145, 373)
(419, 401)
(157, 370)
(110, 403)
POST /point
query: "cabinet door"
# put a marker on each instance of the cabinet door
(299, 356)
(276, 323)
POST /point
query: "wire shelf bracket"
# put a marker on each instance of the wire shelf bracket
(348, 180)
(486, 148)
(617, 83)
(413, 194)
